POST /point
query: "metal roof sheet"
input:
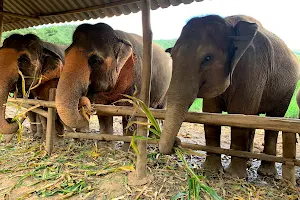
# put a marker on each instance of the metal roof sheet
(55, 11)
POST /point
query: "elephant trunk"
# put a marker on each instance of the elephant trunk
(73, 83)
(9, 72)
(5, 126)
(180, 96)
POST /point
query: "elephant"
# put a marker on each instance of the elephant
(102, 64)
(236, 66)
(40, 63)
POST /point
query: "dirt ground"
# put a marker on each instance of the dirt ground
(84, 170)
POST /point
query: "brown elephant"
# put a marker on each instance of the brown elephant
(235, 66)
(36, 60)
(104, 63)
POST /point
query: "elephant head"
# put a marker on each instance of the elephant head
(204, 59)
(32, 57)
(93, 64)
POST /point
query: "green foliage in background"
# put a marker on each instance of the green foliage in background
(63, 35)
(55, 34)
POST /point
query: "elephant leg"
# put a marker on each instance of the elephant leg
(267, 168)
(212, 162)
(250, 147)
(59, 127)
(39, 127)
(240, 140)
(32, 121)
(106, 127)
(106, 124)
(43, 121)
(127, 132)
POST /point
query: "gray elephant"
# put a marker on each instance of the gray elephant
(103, 63)
(36, 59)
(236, 66)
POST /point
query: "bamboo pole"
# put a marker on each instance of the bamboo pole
(16, 15)
(211, 149)
(50, 123)
(289, 151)
(49, 104)
(235, 120)
(140, 177)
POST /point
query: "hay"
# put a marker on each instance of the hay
(79, 170)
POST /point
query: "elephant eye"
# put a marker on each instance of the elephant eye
(23, 60)
(206, 60)
(95, 61)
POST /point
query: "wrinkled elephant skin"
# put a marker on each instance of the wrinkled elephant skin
(103, 64)
(235, 65)
(38, 61)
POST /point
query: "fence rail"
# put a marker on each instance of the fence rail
(288, 126)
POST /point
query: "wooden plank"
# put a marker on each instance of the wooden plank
(289, 151)
(50, 123)
(236, 120)
(217, 150)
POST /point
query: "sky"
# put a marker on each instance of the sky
(282, 17)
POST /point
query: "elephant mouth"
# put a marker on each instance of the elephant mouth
(205, 91)
(85, 107)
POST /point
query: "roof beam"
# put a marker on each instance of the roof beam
(16, 15)
(91, 8)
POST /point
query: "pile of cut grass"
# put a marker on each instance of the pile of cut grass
(80, 170)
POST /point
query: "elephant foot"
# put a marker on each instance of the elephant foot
(109, 144)
(249, 163)
(237, 168)
(37, 136)
(152, 135)
(125, 147)
(212, 166)
(83, 130)
(267, 169)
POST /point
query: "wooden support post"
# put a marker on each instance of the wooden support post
(1, 19)
(289, 151)
(140, 177)
(50, 123)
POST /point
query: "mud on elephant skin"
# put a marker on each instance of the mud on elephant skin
(106, 63)
(236, 66)
(38, 61)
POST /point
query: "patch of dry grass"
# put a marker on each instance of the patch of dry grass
(83, 170)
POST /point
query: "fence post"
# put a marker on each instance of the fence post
(289, 151)
(140, 177)
(50, 123)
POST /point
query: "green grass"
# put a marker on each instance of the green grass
(292, 111)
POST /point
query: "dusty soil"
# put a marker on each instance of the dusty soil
(82, 162)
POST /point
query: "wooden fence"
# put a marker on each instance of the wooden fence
(288, 126)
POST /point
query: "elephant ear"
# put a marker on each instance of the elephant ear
(124, 53)
(57, 50)
(244, 33)
(169, 50)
